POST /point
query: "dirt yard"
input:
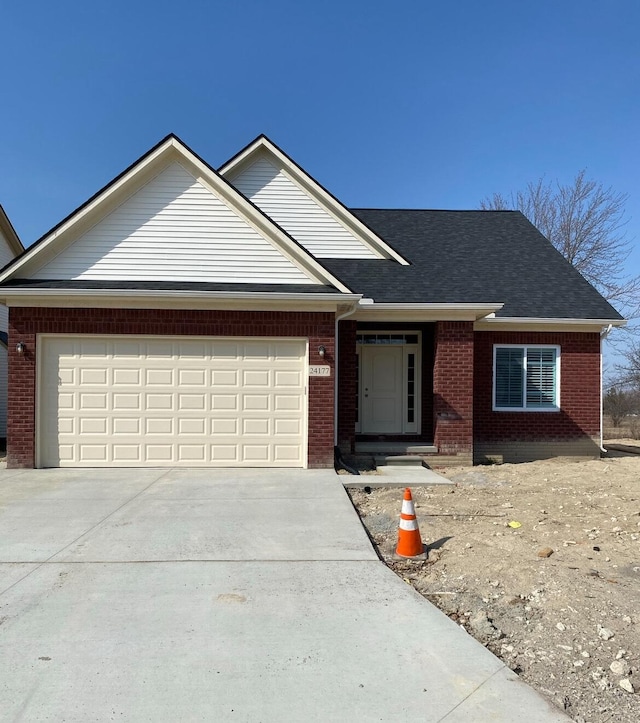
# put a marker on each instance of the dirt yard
(541, 563)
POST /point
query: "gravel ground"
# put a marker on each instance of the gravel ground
(541, 563)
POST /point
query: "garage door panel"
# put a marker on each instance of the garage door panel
(224, 378)
(224, 402)
(136, 402)
(192, 452)
(121, 401)
(192, 426)
(93, 452)
(93, 425)
(89, 401)
(226, 350)
(256, 426)
(127, 425)
(287, 402)
(224, 453)
(126, 377)
(160, 377)
(224, 426)
(192, 402)
(192, 377)
(285, 453)
(126, 453)
(156, 402)
(253, 402)
(159, 426)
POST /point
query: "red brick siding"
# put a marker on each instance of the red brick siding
(347, 368)
(428, 426)
(579, 390)
(453, 387)
(26, 323)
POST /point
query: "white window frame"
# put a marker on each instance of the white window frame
(553, 409)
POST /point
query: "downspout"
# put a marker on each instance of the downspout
(335, 368)
(603, 335)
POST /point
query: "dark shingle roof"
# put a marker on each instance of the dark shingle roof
(471, 257)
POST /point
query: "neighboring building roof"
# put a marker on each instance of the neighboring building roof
(9, 233)
(468, 257)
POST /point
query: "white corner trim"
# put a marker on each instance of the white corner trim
(320, 195)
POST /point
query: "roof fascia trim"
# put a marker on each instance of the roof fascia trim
(517, 323)
(9, 292)
(368, 310)
(132, 298)
(320, 194)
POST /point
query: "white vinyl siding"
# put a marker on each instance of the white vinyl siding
(174, 229)
(526, 378)
(6, 255)
(164, 402)
(298, 213)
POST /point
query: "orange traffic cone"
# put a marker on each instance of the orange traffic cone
(409, 540)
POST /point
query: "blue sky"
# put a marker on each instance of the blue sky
(413, 104)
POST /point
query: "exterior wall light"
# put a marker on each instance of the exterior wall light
(322, 351)
(20, 347)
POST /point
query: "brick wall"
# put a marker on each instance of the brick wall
(579, 417)
(25, 323)
(453, 387)
(347, 369)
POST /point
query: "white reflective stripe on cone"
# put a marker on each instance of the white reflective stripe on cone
(408, 524)
(407, 507)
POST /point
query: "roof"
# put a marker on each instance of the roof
(9, 233)
(479, 258)
(471, 257)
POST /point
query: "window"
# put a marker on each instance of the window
(526, 378)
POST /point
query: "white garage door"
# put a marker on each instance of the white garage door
(135, 401)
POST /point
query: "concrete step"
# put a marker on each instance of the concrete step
(398, 460)
(395, 448)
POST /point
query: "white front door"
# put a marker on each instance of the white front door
(388, 383)
(382, 389)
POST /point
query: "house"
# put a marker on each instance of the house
(10, 247)
(185, 316)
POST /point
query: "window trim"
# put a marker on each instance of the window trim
(534, 410)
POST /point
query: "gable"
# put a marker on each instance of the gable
(174, 228)
(275, 193)
(299, 204)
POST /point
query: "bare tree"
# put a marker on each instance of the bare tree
(585, 221)
(618, 404)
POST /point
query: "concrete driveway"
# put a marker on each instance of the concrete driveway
(215, 595)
